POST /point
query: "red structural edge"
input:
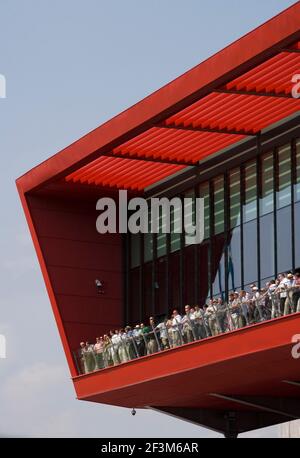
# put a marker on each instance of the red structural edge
(47, 282)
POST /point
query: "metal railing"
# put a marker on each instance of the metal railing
(198, 325)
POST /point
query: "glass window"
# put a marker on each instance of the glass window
(297, 185)
(175, 238)
(204, 193)
(234, 260)
(284, 240)
(135, 249)
(189, 216)
(161, 237)
(250, 204)
(134, 305)
(218, 186)
(189, 275)
(161, 287)
(148, 247)
(267, 258)
(267, 184)
(204, 279)
(250, 252)
(235, 198)
(284, 177)
(218, 265)
(174, 280)
(297, 237)
(148, 290)
(148, 241)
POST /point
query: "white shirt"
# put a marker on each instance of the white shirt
(176, 320)
(162, 330)
(284, 284)
(116, 339)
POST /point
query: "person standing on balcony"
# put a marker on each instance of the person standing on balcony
(296, 293)
(122, 346)
(98, 349)
(107, 351)
(90, 358)
(187, 329)
(245, 306)
(289, 304)
(163, 334)
(130, 344)
(170, 332)
(211, 314)
(236, 312)
(199, 323)
(272, 293)
(139, 341)
(177, 327)
(153, 343)
(115, 343)
(83, 363)
(221, 315)
(283, 285)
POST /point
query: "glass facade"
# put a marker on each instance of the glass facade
(251, 216)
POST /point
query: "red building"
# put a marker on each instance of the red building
(229, 131)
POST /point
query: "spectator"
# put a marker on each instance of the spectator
(187, 329)
(176, 327)
(98, 349)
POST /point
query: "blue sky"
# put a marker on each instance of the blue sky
(71, 65)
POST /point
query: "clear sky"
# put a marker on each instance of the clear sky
(70, 65)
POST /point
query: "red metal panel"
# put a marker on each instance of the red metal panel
(217, 111)
(72, 255)
(123, 173)
(235, 59)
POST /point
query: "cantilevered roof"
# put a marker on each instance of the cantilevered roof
(232, 96)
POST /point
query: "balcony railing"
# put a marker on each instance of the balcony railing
(197, 324)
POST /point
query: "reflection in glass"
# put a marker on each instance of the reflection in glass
(161, 303)
(175, 238)
(267, 184)
(161, 237)
(250, 204)
(235, 198)
(189, 216)
(218, 184)
(250, 252)
(284, 177)
(148, 247)
(218, 265)
(148, 241)
(148, 289)
(189, 275)
(203, 257)
(174, 280)
(297, 238)
(204, 193)
(267, 258)
(297, 185)
(135, 249)
(284, 240)
(134, 309)
(234, 260)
